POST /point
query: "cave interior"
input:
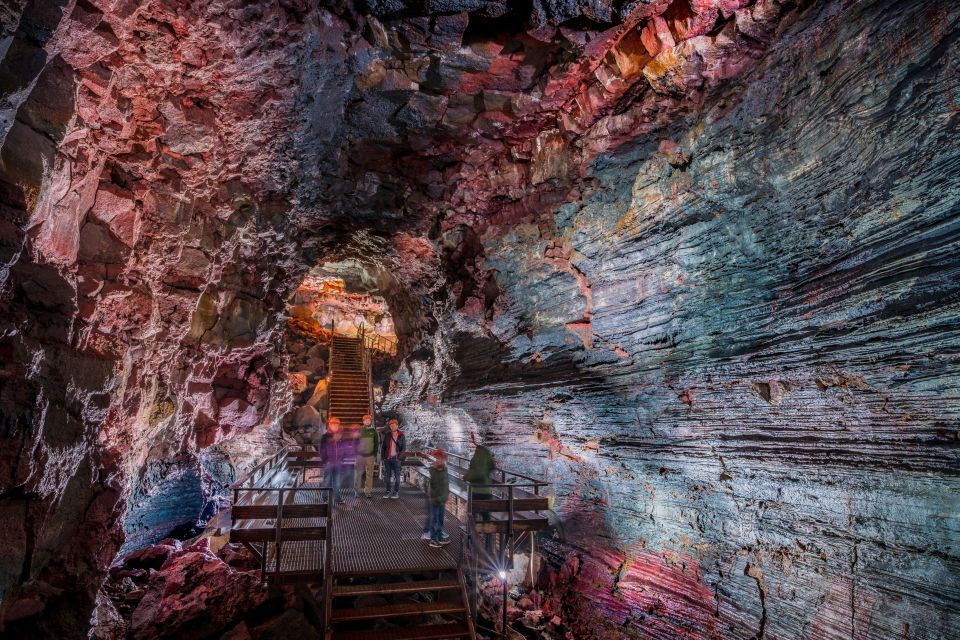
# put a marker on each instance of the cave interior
(695, 263)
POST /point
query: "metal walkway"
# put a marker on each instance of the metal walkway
(378, 536)
(372, 546)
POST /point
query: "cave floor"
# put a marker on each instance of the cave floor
(378, 536)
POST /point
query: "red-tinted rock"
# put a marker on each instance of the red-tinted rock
(195, 591)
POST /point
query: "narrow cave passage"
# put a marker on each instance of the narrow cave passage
(323, 307)
(689, 267)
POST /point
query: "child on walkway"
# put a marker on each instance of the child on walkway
(439, 490)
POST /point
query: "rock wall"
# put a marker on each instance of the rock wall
(735, 353)
(144, 273)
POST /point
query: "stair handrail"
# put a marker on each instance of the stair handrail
(376, 342)
(258, 472)
(368, 365)
(330, 351)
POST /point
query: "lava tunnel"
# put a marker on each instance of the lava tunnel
(543, 319)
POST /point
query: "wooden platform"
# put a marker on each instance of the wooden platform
(375, 535)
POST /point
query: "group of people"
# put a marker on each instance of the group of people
(353, 455)
(355, 452)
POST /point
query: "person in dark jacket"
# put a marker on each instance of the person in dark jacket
(439, 490)
(479, 474)
(333, 453)
(392, 445)
(480, 470)
(368, 445)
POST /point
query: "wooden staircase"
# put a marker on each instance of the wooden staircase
(350, 390)
(401, 606)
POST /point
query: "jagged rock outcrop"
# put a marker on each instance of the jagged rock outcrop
(694, 258)
(140, 176)
(171, 591)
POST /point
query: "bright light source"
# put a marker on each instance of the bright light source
(503, 574)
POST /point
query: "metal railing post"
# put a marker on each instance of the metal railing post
(510, 508)
(328, 564)
(278, 538)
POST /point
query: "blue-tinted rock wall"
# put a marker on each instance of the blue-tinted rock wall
(737, 354)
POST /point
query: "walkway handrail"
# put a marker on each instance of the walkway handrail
(376, 342)
(260, 470)
(257, 501)
(503, 473)
(509, 539)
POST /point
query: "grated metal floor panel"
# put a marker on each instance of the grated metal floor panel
(383, 536)
(302, 556)
(371, 536)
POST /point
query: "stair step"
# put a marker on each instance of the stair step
(344, 590)
(426, 632)
(396, 611)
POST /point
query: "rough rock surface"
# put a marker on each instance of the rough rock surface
(697, 260)
(168, 591)
(735, 353)
(140, 165)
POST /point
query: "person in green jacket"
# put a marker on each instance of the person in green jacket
(479, 475)
(439, 490)
(480, 471)
(368, 444)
